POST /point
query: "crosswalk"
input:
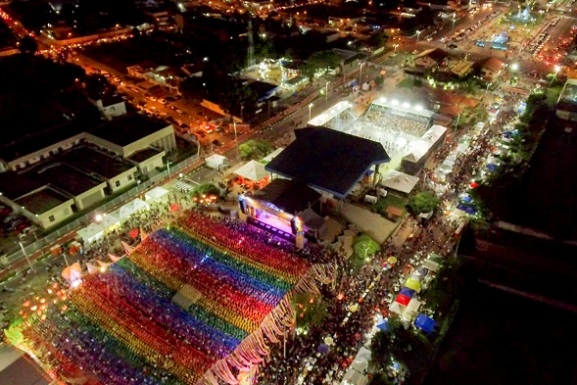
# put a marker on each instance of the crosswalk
(183, 187)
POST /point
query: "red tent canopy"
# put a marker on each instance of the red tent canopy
(403, 299)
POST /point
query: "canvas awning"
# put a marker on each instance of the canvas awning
(425, 323)
(402, 299)
(252, 170)
(407, 292)
(431, 265)
(412, 309)
(399, 181)
(110, 220)
(396, 307)
(216, 161)
(412, 283)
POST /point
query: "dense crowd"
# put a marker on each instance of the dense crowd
(383, 116)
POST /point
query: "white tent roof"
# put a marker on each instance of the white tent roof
(431, 265)
(132, 207)
(109, 220)
(396, 308)
(92, 232)
(400, 181)
(412, 308)
(252, 170)
(156, 193)
(215, 161)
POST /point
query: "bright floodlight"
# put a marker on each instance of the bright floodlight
(98, 218)
(395, 102)
(515, 66)
(557, 68)
(406, 104)
(418, 107)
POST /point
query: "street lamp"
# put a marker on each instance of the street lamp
(454, 20)
(310, 110)
(514, 67)
(395, 47)
(327, 92)
(25, 255)
(557, 69)
(241, 108)
(418, 34)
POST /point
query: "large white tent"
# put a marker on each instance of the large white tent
(131, 207)
(110, 220)
(92, 232)
(252, 170)
(399, 181)
(156, 193)
(216, 161)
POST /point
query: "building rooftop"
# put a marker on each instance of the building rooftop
(31, 143)
(287, 195)
(127, 129)
(142, 155)
(13, 185)
(95, 162)
(568, 98)
(327, 159)
(40, 201)
(66, 178)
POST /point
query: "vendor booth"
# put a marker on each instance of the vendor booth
(253, 174)
(216, 162)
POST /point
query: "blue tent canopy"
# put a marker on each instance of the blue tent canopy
(467, 208)
(466, 199)
(406, 291)
(425, 323)
(492, 167)
(383, 325)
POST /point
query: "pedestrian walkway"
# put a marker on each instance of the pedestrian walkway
(183, 187)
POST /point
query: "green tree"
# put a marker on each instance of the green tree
(322, 60)
(381, 348)
(423, 202)
(206, 189)
(255, 149)
(378, 40)
(365, 246)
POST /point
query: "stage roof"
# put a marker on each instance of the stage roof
(327, 159)
(287, 195)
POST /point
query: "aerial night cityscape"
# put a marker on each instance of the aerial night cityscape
(288, 192)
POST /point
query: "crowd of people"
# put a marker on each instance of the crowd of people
(414, 125)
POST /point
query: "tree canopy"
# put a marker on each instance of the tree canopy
(255, 149)
(423, 202)
(365, 246)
